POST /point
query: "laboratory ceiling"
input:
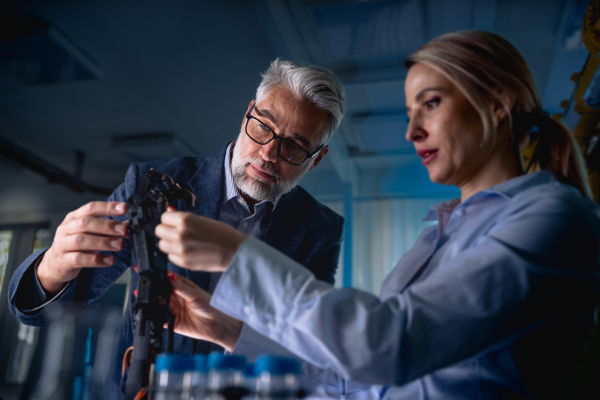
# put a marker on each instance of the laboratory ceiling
(88, 87)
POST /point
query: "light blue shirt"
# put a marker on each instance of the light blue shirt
(236, 213)
(492, 302)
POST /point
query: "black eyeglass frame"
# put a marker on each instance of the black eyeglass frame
(279, 139)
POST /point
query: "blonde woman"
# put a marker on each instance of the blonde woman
(492, 302)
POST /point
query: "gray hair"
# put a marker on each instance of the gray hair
(312, 83)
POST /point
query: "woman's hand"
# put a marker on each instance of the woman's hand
(197, 243)
(194, 317)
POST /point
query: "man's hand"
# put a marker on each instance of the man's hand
(197, 243)
(194, 317)
(78, 242)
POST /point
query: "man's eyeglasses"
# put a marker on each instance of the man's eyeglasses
(287, 150)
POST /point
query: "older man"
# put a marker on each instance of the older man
(251, 184)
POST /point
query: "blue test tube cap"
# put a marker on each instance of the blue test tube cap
(174, 362)
(277, 365)
(250, 371)
(201, 363)
(221, 362)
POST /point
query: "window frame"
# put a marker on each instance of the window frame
(21, 247)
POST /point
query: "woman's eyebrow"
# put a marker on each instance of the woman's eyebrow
(422, 93)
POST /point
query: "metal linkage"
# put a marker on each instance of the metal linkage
(151, 308)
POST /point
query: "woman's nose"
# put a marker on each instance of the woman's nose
(415, 131)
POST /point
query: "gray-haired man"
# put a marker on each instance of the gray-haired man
(250, 184)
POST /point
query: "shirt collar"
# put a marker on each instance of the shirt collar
(514, 186)
(231, 191)
(436, 209)
(507, 189)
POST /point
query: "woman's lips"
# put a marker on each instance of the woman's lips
(427, 155)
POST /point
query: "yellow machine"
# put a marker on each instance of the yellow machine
(582, 111)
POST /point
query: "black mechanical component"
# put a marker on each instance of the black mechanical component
(151, 308)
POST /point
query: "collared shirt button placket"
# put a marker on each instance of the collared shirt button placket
(456, 220)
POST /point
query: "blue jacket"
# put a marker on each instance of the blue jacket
(300, 227)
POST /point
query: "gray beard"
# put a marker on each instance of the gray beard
(255, 187)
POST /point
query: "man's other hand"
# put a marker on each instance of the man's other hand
(78, 241)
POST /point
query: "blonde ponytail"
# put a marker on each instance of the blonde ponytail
(552, 147)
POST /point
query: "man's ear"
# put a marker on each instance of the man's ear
(501, 108)
(320, 156)
(248, 110)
